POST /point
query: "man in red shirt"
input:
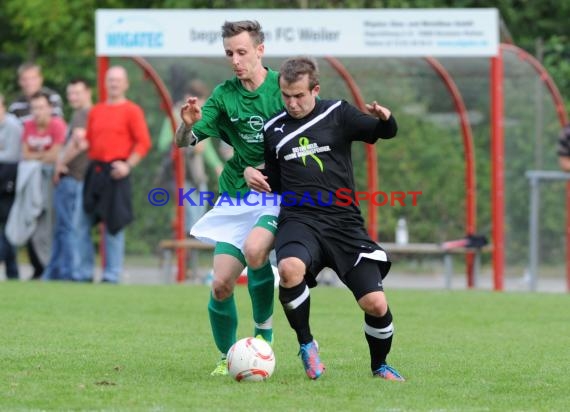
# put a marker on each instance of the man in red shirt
(117, 139)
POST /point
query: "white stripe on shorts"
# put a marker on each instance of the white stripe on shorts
(378, 254)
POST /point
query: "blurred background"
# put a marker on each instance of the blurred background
(427, 156)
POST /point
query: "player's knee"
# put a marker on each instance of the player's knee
(255, 256)
(291, 271)
(374, 304)
(222, 289)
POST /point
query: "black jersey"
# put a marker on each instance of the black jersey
(309, 160)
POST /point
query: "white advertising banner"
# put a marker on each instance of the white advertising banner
(333, 32)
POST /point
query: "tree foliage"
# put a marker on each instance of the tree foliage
(59, 34)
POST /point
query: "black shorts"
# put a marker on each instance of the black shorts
(357, 260)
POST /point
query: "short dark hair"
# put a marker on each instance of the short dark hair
(80, 80)
(295, 67)
(41, 94)
(233, 28)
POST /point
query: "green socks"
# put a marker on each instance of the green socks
(223, 314)
(260, 283)
(224, 321)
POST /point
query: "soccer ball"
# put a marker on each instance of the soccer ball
(251, 359)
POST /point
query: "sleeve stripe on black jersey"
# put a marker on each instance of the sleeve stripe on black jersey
(306, 126)
(270, 122)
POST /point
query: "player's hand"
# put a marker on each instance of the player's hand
(256, 180)
(378, 111)
(190, 112)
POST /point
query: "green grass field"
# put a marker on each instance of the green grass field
(101, 347)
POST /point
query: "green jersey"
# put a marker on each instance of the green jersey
(237, 116)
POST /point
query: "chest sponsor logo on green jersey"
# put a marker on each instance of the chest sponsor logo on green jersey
(256, 123)
(252, 133)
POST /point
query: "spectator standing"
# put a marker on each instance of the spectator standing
(44, 134)
(42, 139)
(72, 256)
(30, 80)
(10, 154)
(117, 140)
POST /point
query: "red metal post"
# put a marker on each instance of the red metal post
(178, 159)
(497, 172)
(102, 67)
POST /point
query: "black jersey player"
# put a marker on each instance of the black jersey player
(308, 160)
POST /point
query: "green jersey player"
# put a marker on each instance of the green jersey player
(243, 232)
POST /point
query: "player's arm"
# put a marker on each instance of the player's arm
(379, 123)
(199, 123)
(256, 179)
(190, 113)
(184, 136)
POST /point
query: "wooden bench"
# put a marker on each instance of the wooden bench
(436, 249)
(169, 246)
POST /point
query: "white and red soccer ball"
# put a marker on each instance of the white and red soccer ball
(251, 359)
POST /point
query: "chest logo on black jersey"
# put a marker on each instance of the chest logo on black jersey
(279, 129)
(307, 149)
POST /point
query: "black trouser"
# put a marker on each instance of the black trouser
(35, 261)
(8, 255)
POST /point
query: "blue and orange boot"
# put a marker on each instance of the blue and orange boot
(309, 352)
(388, 373)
